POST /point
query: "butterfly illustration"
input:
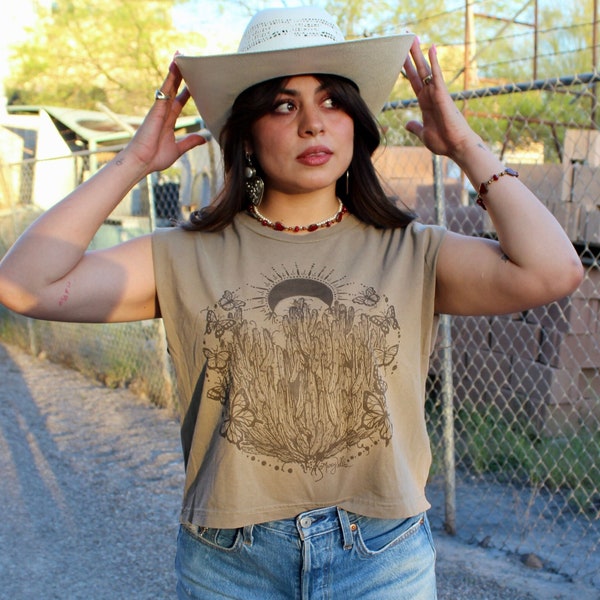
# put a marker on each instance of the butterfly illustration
(217, 359)
(369, 297)
(239, 420)
(218, 392)
(376, 418)
(386, 320)
(385, 356)
(228, 301)
(219, 326)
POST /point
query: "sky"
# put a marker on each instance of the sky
(222, 31)
(15, 17)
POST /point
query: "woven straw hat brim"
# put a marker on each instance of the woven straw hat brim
(214, 82)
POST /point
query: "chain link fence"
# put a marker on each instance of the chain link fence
(513, 402)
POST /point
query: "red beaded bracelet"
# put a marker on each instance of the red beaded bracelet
(484, 187)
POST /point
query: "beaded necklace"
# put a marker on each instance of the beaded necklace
(279, 226)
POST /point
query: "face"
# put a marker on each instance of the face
(305, 142)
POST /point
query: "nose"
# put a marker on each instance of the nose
(311, 122)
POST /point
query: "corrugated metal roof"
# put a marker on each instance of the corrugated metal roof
(98, 127)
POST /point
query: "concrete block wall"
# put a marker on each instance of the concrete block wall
(544, 363)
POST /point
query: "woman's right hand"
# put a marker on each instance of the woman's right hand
(154, 145)
(49, 273)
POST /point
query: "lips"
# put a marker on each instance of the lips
(315, 156)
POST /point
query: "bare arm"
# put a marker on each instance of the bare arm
(533, 262)
(49, 273)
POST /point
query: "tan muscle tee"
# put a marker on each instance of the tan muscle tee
(301, 363)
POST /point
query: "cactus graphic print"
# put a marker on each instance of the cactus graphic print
(304, 389)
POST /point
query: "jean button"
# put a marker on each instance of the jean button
(306, 522)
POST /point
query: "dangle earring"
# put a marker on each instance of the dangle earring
(347, 183)
(254, 185)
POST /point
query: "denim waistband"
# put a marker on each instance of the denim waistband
(317, 522)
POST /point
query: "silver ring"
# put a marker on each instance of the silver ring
(427, 80)
(160, 95)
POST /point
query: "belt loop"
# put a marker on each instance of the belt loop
(247, 534)
(346, 528)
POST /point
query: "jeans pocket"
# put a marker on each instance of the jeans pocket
(228, 540)
(375, 536)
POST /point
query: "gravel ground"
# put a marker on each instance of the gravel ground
(90, 492)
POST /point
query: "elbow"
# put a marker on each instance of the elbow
(574, 274)
(566, 280)
(14, 299)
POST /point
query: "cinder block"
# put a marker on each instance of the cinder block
(589, 409)
(468, 220)
(471, 332)
(582, 315)
(555, 315)
(519, 340)
(520, 316)
(568, 351)
(531, 378)
(561, 350)
(589, 384)
(568, 214)
(590, 286)
(591, 344)
(550, 345)
(583, 146)
(563, 389)
(584, 188)
(582, 350)
(590, 223)
(594, 304)
(550, 385)
(485, 368)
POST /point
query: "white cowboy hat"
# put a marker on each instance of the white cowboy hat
(281, 42)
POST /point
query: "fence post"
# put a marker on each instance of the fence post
(151, 201)
(447, 385)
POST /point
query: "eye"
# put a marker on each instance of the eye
(330, 102)
(284, 106)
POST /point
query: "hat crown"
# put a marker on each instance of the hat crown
(288, 28)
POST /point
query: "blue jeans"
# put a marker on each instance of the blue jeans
(321, 554)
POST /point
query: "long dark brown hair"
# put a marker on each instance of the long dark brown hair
(365, 198)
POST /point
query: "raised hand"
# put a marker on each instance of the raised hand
(443, 129)
(154, 144)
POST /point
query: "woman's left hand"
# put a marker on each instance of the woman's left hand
(443, 130)
(533, 262)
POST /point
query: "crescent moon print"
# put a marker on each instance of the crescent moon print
(300, 288)
(303, 385)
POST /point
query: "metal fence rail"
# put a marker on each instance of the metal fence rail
(513, 401)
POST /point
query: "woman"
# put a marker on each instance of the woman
(299, 308)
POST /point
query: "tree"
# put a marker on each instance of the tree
(87, 51)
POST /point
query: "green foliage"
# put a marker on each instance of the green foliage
(489, 443)
(506, 446)
(86, 51)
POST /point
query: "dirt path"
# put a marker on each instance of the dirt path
(90, 491)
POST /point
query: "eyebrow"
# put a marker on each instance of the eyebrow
(296, 93)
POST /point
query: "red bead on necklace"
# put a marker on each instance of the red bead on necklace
(279, 226)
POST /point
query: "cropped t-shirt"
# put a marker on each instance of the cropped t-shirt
(301, 363)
